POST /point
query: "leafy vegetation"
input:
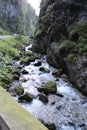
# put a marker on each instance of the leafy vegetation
(9, 49)
(3, 32)
(77, 43)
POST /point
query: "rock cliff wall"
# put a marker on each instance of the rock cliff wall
(61, 33)
(17, 16)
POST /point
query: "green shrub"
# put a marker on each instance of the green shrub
(66, 46)
(70, 58)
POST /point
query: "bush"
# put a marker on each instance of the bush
(66, 46)
(70, 58)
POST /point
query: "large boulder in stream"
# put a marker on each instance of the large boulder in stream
(43, 98)
(19, 90)
(44, 69)
(49, 87)
(27, 97)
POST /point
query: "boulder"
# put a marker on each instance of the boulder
(45, 70)
(43, 98)
(24, 71)
(19, 90)
(27, 97)
(57, 72)
(38, 63)
(49, 87)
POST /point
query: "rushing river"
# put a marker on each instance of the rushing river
(68, 112)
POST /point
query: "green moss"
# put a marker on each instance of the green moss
(49, 87)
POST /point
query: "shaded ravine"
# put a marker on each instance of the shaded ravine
(67, 112)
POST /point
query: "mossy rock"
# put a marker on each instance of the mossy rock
(43, 98)
(45, 70)
(24, 71)
(49, 87)
(25, 61)
(27, 97)
(37, 55)
(28, 53)
(19, 90)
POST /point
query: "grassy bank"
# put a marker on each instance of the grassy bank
(10, 48)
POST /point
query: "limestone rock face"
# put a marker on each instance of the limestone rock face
(16, 16)
(55, 25)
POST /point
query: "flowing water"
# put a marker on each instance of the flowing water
(68, 112)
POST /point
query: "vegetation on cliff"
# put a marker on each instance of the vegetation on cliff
(77, 43)
(17, 17)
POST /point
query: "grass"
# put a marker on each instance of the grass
(10, 48)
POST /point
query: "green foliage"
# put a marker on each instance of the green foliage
(70, 58)
(80, 29)
(66, 46)
(7, 53)
(77, 43)
(3, 32)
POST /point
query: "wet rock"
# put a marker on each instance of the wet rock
(27, 97)
(19, 90)
(16, 77)
(53, 103)
(25, 61)
(59, 94)
(38, 63)
(65, 77)
(59, 107)
(23, 79)
(84, 128)
(49, 87)
(45, 70)
(56, 72)
(78, 73)
(43, 98)
(15, 74)
(24, 71)
(50, 126)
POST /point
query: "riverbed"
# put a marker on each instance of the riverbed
(66, 112)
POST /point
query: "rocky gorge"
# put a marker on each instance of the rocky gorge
(61, 33)
(44, 75)
(47, 94)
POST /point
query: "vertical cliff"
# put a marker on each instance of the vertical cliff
(61, 33)
(17, 16)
